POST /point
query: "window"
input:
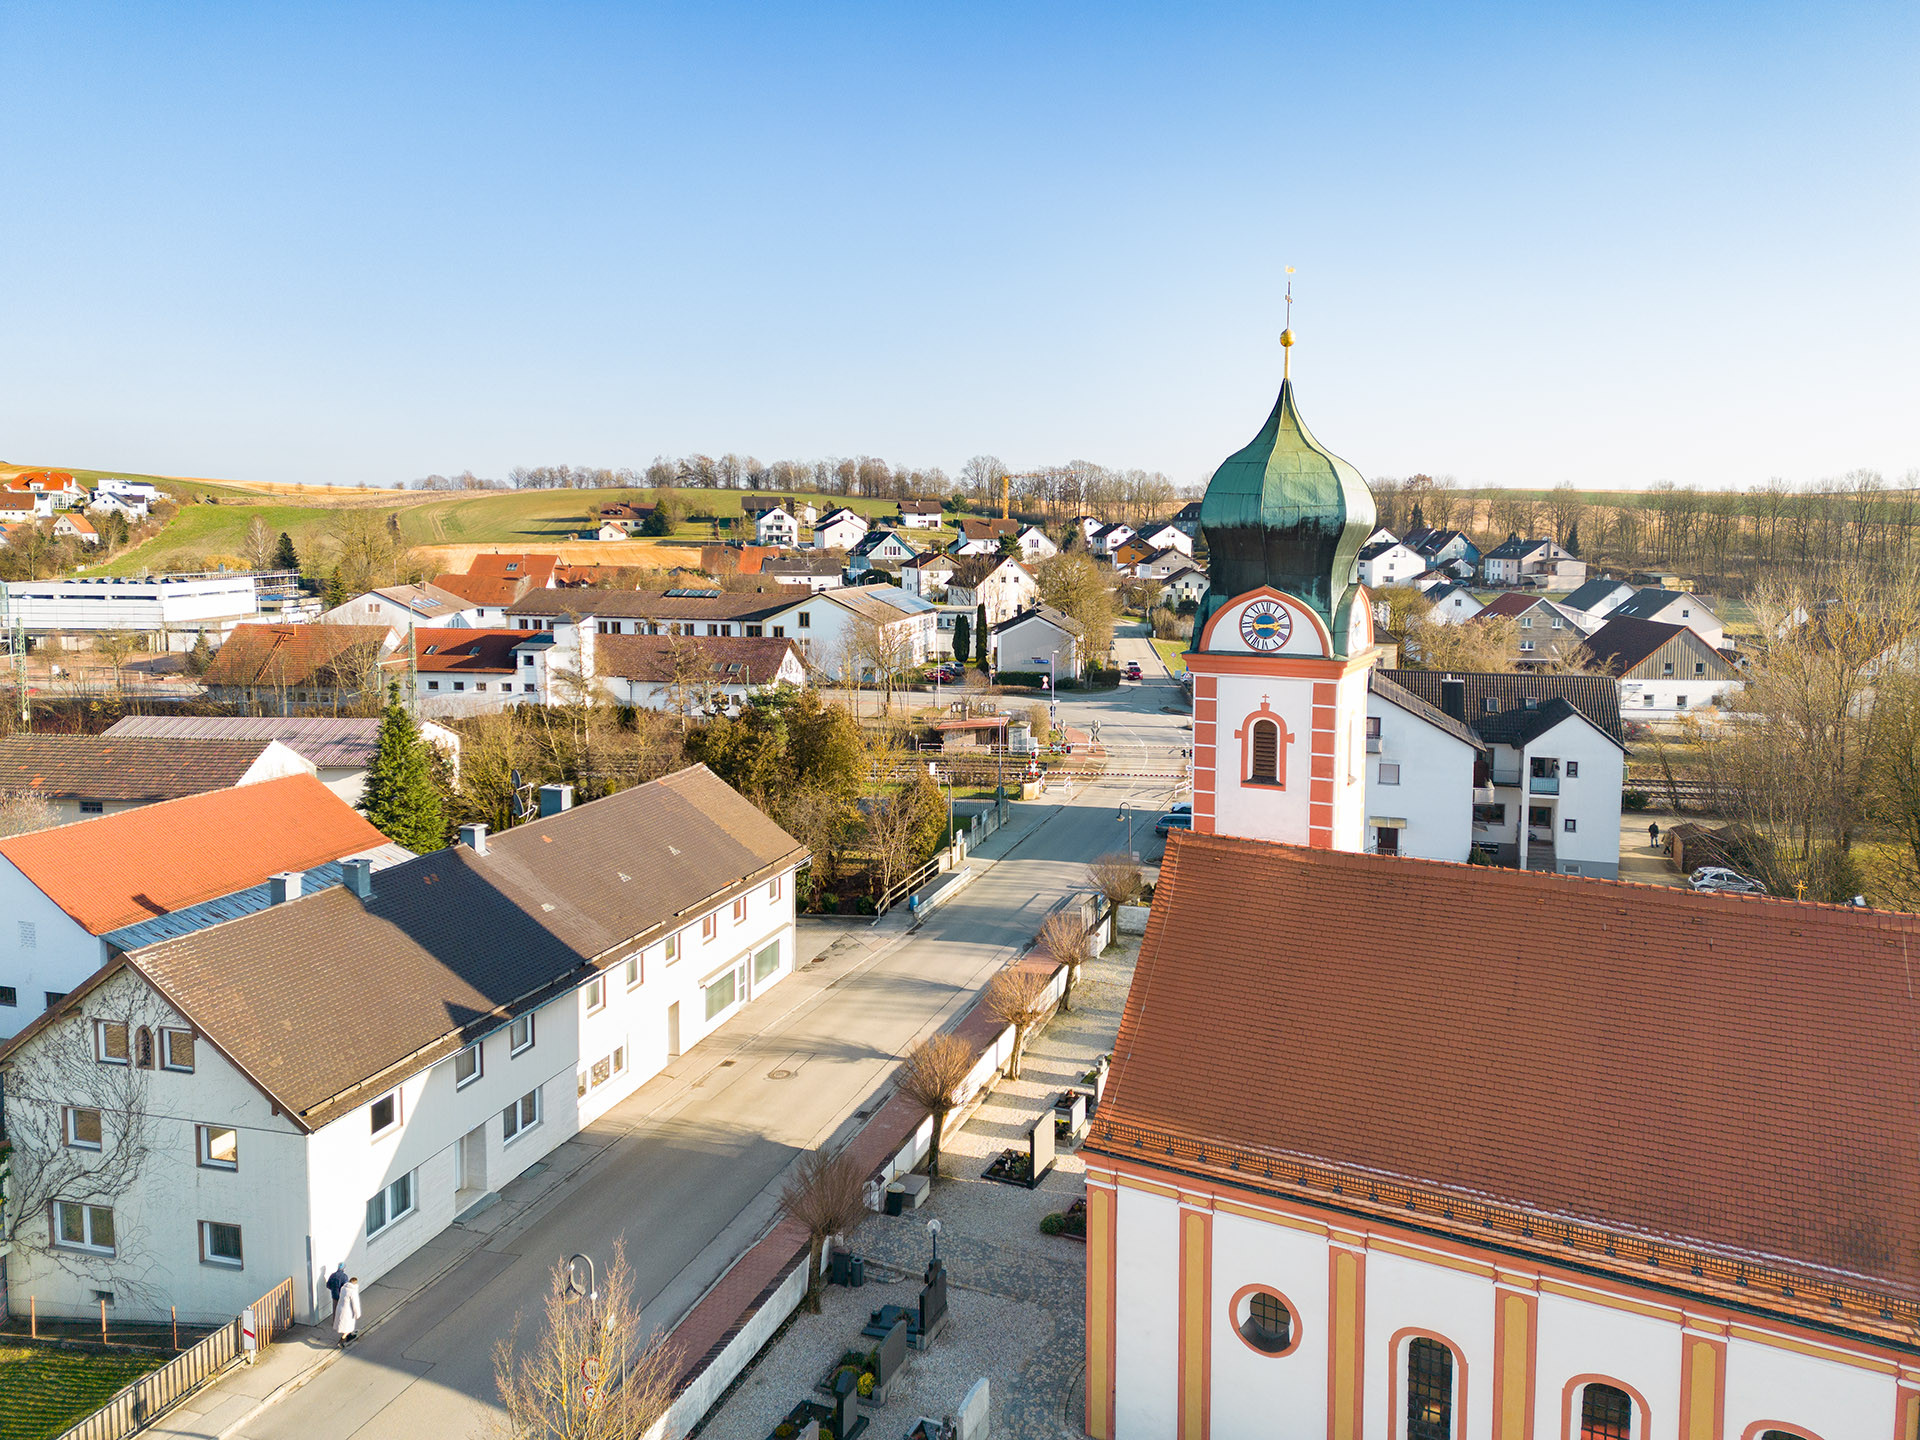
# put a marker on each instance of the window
(83, 1227)
(740, 910)
(1526, 622)
(780, 631)
(28, 935)
(1526, 646)
(9, 997)
(766, 961)
(479, 684)
(756, 631)
(773, 888)
(522, 1114)
(54, 997)
(459, 684)
(143, 1048)
(1373, 727)
(1429, 1390)
(709, 927)
(1666, 667)
(1491, 814)
(672, 947)
(219, 1147)
(176, 1050)
(1605, 1413)
(1265, 749)
(1559, 625)
(1686, 614)
(109, 1039)
(385, 1113)
(433, 684)
(634, 971)
(724, 991)
(526, 659)
(596, 993)
(219, 1244)
(1266, 1324)
(1389, 773)
(93, 807)
(1489, 705)
(389, 1205)
(520, 1035)
(83, 1128)
(1570, 825)
(1649, 699)
(1679, 702)
(466, 1067)
(1573, 769)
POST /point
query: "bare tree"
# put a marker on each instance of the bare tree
(1118, 878)
(24, 811)
(1018, 998)
(1065, 938)
(1478, 646)
(592, 1373)
(827, 1195)
(931, 1078)
(258, 546)
(114, 647)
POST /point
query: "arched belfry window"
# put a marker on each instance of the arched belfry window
(1265, 750)
(1429, 1390)
(1606, 1413)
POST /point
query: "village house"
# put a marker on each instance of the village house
(139, 490)
(813, 569)
(86, 775)
(1187, 519)
(463, 671)
(1663, 669)
(1035, 545)
(18, 505)
(982, 535)
(485, 1003)
(927, 575)
(921, 515)
(776, 526)
(624, 517)
(1004, 586)
(754, 506)
(687, 611)
(882, 547)
(692, 675)
(285, 668)
(1421, 764)
(74, 893)
(1184, 587)
(130, 507)
(1389, 563)
(75, 527)
(1165, 535)
(339, 747)
(1545, 634)
(399, 607)
(862, 632)
(1590, 605)
(1450, 603)
(1441, 547)
(1672, 607)
(1540, 563)
(1040, 639)
(840, 529)
(1108, 539)
(491, 583)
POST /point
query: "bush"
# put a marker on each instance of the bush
(1021, 677)
(1099, 676)
(784, 1430)
(1634, 799)
(1053, 1224)
(865, 1387)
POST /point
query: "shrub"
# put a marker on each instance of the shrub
(1053, 1224)
(784, 1430)
(1021, 677)
(1634, 799)
(865, 1387)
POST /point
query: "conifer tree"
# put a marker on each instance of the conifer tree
(336, 589)
(284, 555)
(1573, 538)
(984, 659)
(962, 639)
(200, 656)
(400, 799)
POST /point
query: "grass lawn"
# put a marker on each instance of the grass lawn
(44, 1391)
(1173, 653)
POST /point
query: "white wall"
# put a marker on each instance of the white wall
(1435, 792)
(1146, 1315)
(1661, 698)
(42, 948)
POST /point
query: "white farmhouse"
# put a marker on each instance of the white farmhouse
(1594, 601)
(1042, 640)
(776, 527)
(1168, 536)
(1003, 585)
(693, 676)
(860, 631)
(400, 606)
(1035, 545)
(336, 1078)
(1663, 669)
(921, 515)
(1673, 607)
(1450, 604)
(840, 529)
(927, 575)
(1389, 563)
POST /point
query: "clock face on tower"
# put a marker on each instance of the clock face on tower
(1265, 625)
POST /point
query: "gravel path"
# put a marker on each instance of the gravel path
(1016, 1298)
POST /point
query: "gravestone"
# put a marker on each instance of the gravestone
(1040, 1149)
(1071, 1111)
(812, 1432)
(893, 1356)
(933, 1307)
(973, 1412)
(846, 1406)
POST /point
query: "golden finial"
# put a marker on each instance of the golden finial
(1286, 335)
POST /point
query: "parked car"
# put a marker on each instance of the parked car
(1719, 879)
(1177, 820)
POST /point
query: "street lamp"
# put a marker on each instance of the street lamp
(933, 1229)
(1126, 814)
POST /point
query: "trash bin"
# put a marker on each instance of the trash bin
(857, 1271)
(896, 1198)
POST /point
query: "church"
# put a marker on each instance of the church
(1400, 1149)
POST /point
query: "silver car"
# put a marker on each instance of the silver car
(1720, 880)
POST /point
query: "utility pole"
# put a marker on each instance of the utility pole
(16, 633)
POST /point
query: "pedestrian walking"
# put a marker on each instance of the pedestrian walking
(1653, 834)
(336, 1282)
(346, 1312)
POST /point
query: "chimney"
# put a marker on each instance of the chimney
(554, 799)
(358, 876)
(284, 887)
(1453, 698)
(474, 837)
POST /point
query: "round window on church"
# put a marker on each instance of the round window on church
(1265, 1321)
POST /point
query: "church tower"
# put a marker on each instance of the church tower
(1283, 642)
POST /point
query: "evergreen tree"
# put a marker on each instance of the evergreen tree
(200, 656)
(336, 589)
(400, 799)
(284, 555)
(1573, 538)
(962, 639)
(984, 659)
(1419, 520)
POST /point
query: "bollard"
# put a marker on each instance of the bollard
(33, 1316)
(173, 1316)
(103, 1322)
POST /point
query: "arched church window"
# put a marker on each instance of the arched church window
(1606, 1413)
(1429, 1390)
(1266, 753)
(143, 1048)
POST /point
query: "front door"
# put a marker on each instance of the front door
(673, 1029)
(1386, 839)
(470, 1162)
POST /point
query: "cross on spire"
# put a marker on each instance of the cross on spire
(1286, 335)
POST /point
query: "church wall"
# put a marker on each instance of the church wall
(1819, 1396)
(1146, 1315)
(1639, 1353)
(1264, 812)
(1250, 1389)
(1407, 1298)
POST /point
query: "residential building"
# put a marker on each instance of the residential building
(1594, 601)
(1421, 763)
(1161, 564)
(1663, 669)
(1088, 526)
(73, 894)
(1187, 518)
(1381, 536)
(813, 569)
(840, 529)
(693, 675)
(1389, 563)
(1004, 586)
(466, 671)
(86, 775)
(1449, 603)
(1184, 587)
(1035, 545)
(1130, 555)
(687, 611)
(861, 631)
(1541, 563)
(625, 517)
(1039, 639)
(1545, 633)
(927, 575)
(341, 748)
(1540, 1160)
(19, 505)
(1673, 607)
(443, 1025)
(171, 612)
(75, 527)
(1165, 535)
(281, 667)
(982, 535)
(139, 490)
(131, 507)
(1109, 538)
(776, 527)
(754, 506)
(1442, 547)
(921, 515)
(399, 607)
(884, 547)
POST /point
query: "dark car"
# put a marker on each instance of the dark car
(1170, 823)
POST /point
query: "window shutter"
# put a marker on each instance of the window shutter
(1266, 752)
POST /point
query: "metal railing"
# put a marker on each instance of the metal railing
(142, 1401)
(1544, 785)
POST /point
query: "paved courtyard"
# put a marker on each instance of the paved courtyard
(1016, 1297)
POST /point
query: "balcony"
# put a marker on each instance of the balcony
(1542, 784)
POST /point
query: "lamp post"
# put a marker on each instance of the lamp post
(1126, 814)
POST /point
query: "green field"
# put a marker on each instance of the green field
(44, 1391)
(1173, 653)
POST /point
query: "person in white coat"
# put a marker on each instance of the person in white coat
(346, 1312)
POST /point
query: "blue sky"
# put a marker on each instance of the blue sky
(1610, 244)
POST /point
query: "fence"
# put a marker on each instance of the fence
(145, 1398)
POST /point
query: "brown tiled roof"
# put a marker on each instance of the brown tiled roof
(452, 943)
(654, 605)
(649, 659)
(1514, 603)
(480, 589)
(1595, 696)
(521, 565)
(101, 767)
(1623, 642)
(974, 528)
(461, 652)
(1733, 1075)
(920, 507)
(278, 655)
(117, 869)
(16, 501)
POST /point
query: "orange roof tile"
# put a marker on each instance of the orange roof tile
(465, 651)
(296, 654)
(117, 869)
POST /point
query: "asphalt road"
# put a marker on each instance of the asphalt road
(693, 1160)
